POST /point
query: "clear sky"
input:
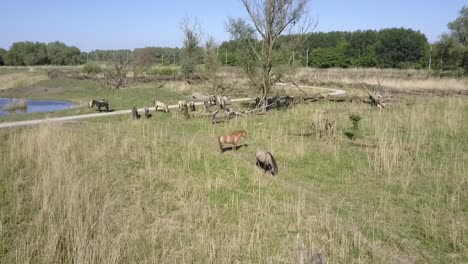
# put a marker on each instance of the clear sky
(103, 24)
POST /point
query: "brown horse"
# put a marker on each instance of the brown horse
(233, 139)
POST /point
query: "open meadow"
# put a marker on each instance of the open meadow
(390, 188)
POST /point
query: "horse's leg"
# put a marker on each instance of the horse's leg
(220, 147)
(234, 147)
(107, 108)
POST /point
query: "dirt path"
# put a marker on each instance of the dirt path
(332, 92)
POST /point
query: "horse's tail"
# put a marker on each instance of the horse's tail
(274, 166)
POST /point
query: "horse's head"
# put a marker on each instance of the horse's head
(243, 134)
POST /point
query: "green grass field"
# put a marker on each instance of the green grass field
(113, 190)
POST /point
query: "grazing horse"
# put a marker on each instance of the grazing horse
(182, 105)
(222, 115)
(99, 104)
(191, 106)
(226, 100)
(231, 139)
(206, 106)
(160, 106)
(147, 113)
(213, 100)
(135, 114)
(284, 101)
(267, 162)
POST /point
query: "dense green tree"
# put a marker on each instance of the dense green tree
(451, 51)
(60, 54)
(27, 53)
(397, 48)
(331, 57)
(400, 48)
(448, 53)
(459, 27)
(2, 54)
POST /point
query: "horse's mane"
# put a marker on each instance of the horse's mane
(239, 132)
(274, 169)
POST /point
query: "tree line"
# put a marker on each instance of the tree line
(36, 53)
(387, 48)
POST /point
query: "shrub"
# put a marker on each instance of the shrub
(92, 68)
(354, 132)
(162, 71)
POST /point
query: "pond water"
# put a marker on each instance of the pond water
(34, 106)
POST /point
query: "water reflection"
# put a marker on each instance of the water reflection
(35, 106)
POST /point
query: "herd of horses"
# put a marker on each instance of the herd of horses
(265, 159)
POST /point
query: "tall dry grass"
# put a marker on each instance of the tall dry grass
(16, 104)
(158, 191)
(396, 79)
(20, 79)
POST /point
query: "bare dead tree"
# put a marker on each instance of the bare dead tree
(143, 59)
(269, 19)
(115, 77)
(192, 37)
(212, 63)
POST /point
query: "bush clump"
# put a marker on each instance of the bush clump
(92, 68)
(161, 71)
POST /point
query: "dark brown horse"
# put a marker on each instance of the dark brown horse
(147, 113)
(232, 138)
(135, 114)
(99, 104)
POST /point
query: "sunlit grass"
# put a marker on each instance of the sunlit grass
(157, 190)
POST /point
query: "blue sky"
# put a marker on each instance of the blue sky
(95, 24)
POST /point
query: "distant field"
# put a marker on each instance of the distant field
(399, 80)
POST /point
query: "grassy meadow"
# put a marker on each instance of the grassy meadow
(115, 190)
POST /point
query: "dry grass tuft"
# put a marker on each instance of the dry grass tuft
(20, 79)
(16, 104)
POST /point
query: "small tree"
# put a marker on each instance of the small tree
(269, 20)
(451, 51)
(143, 59)
(192, 36)
(115, 77)
(211, 63)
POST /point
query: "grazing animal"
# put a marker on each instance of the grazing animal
(206, 106)
(191, 106)
(213, 100)
(160, 106)
(135, 114)
(99, 104)
(232, 138)
(284, 101)
(222, 115)
(147, 113)
(227, 100)
(182, 105)
(270, 101)
(221, 104)
(267, 162)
